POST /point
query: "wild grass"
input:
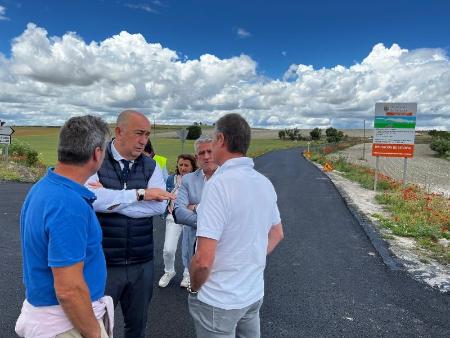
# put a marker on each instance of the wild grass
(417, 214)
(6, 174)
(413, 212)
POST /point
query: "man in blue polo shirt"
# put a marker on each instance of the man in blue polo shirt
(63, 263)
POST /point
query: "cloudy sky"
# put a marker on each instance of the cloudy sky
(279, 63)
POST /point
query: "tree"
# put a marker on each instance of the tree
(439, 133)
(333, 135)
(292, 134)
(194, 132)
(315, 134)
(440, 145)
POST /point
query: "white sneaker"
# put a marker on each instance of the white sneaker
(165, 279)
(186, 281)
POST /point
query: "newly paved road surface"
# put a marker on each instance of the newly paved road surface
(325, 279)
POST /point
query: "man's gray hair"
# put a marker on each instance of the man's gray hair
(200, 140)
(236, 132)
(79, 137)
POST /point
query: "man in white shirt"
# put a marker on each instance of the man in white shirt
(130, 190)
(238, 224)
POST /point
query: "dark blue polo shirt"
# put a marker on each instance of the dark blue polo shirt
(59, 228)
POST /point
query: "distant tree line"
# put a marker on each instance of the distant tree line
(439, 133)
(291, 134)
(332, 135)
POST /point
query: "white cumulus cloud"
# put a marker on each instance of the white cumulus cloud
(243, 33)
(144, 7)
(3, 13)
(50, 78)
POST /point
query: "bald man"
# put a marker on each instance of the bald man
(130, 190)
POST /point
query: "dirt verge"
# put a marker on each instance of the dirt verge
(415, 260)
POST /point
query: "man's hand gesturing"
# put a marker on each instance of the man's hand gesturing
(156, 194)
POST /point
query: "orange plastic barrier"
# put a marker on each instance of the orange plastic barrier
(327, 167)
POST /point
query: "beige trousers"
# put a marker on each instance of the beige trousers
(75, 334)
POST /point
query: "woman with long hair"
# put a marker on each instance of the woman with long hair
(185, 164)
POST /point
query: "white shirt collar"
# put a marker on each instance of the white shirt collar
(116, 154)
(204, 176)
(237, 162)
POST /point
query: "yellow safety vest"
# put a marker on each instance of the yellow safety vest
(161, 160)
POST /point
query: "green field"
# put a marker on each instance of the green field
(394, 125)
(405, 122)
(45, 140)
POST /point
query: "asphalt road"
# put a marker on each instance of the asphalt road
(324, 280)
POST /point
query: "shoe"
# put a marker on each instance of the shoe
(185, 282)
(165, 279)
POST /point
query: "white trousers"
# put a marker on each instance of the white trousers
(173, 232)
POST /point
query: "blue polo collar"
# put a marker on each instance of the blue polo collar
(85, 193)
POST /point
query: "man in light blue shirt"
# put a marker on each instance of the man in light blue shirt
(188, 200)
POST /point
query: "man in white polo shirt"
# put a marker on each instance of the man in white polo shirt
(238, 224)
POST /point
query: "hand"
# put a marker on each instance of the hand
(95, 185)
(192, 207)
(170, 208)
(156, 194)
(96, 334)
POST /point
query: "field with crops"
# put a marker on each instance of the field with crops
(164, 139)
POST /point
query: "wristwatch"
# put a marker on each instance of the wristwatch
(191, 292)
(140, 194)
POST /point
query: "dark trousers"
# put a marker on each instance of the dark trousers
(132, 287)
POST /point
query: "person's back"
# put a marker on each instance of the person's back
(46, 201)
(238, 224)
(236, 279)
(63, 262)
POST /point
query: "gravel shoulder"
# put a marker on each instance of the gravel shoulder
(425, 169)
(404, 250)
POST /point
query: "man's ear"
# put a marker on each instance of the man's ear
(220, 139)
(98, 154)
(117, 131)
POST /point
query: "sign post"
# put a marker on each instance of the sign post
(182, 134)
(5, 138)
(364, 142)
(405, 167)
(395, 128)
(377, 169)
